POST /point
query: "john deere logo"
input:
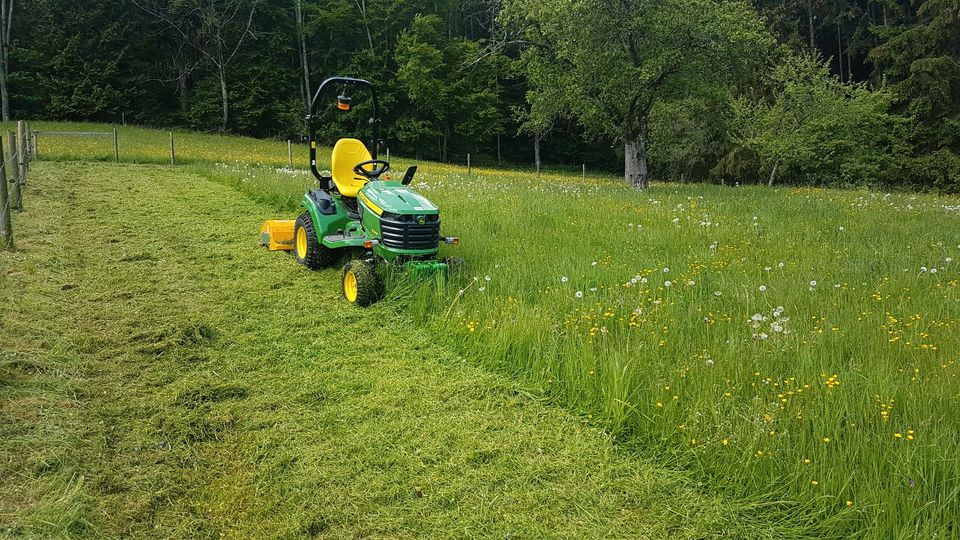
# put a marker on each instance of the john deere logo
(421, 220)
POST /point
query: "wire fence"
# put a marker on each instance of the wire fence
(15, 157)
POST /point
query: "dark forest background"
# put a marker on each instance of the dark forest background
(853, 92)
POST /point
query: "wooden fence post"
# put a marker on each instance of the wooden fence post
(290, 152)
(173, 159)
(116, 145)
(584, 170)
(469, 169)
(27, 139)
(21, 153)
(388, 154)
(15, 194)
(6, 225)
(36, 145)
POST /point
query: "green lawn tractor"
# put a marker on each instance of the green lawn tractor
(357, 212)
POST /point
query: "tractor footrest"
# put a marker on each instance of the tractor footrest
(277, 234)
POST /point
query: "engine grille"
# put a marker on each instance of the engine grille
(405, 231)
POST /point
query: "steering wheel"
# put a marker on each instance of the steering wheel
(379, 167)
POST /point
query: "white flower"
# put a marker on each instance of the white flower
(578, 294)
(763, 335)
(691, 283)
(767, 268)
(667, 283)
(776, 327)
(594, 263)
(481, 289)
(757, 317)
(593, 289)
(763, 288)
(563, 279)
(841, 228)
(676, 220)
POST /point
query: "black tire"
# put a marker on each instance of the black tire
(317, 255)
(369, 287)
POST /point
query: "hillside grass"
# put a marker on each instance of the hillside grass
(161, 376)
(792, 347)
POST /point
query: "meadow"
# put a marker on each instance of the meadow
(791, 347)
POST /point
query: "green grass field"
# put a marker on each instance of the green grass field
(790, 354)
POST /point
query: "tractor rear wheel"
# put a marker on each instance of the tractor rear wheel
(361, 284)
(306, 248)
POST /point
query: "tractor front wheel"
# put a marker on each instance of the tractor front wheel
(361, 284)
(306, 248)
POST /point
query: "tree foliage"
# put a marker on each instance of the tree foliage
(577, 79)
(814, 128)
(607, 64)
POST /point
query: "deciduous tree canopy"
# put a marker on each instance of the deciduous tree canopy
(676, 89)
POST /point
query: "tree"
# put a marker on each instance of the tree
(922, 63)
(689, 135)
(215, 28)
(6, 27)
(816, 127)
(607, 63)
(452, 94)
(302, 45)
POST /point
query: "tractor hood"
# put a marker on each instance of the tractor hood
(386, 196)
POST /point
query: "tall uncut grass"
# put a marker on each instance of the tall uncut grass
(795, 347)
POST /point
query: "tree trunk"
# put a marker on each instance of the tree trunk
(773, 173)
(4, 92)
(225, 99)
(303, 53)
(536, 151)
(182, 90)
(362, 5)
(839, 52)
(810, 22)
(6, 25)
(446, 143)
(635, 162)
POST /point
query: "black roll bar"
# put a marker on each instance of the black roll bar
(312, 119)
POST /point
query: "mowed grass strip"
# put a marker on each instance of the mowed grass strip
(161, 376)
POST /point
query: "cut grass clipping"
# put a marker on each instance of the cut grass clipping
(791, 347)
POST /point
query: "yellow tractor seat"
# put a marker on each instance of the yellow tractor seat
(346, 154)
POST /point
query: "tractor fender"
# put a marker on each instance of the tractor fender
(327, 216)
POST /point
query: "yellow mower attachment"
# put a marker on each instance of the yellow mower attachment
(277, 234)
